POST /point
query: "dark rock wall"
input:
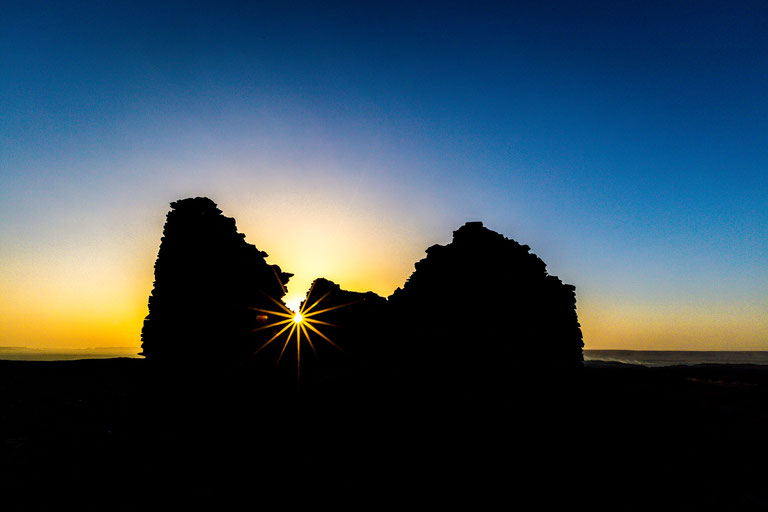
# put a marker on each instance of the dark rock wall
(355, 319)
(206, 279)
(350, 320)
(485, 303)
(482, 304)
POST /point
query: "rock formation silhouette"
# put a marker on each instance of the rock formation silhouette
(206, 279)
(355, 319)
(477, 307)
(484, 304)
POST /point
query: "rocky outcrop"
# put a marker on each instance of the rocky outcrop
(484, 303)
(355, 317)
(344, 328)
(207, 277)
(481, 305)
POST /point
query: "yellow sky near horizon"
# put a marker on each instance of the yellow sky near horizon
(84, 281)
(63, 300)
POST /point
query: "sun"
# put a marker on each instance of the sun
(301, 322)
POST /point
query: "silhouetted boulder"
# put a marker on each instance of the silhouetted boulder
(207, 277)
(484, 304)
(344, 328)
(356, 315)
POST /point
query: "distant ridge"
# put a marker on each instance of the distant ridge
(66, 354)
(653, 358)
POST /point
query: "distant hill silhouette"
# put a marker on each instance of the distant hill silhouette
(484, 304)
(206, 279)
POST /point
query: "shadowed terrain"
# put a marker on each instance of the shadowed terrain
(117, 435)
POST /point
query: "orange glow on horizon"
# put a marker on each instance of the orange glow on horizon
(89, 293)
(635, 325)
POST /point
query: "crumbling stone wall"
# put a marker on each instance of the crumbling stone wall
(484, 303)
(206, 279)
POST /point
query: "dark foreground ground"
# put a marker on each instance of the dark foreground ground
(119, 435)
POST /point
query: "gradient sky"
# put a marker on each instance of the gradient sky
(625, 142)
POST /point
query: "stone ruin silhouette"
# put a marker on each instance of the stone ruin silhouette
(478, 305)
(206, 279)
(485, 303)
(355, 327)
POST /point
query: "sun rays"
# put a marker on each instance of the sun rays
(298, 325)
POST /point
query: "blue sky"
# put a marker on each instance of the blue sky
(625, 142)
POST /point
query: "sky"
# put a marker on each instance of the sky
(625, 142)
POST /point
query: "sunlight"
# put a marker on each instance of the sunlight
(294, 302)
(299, 320)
